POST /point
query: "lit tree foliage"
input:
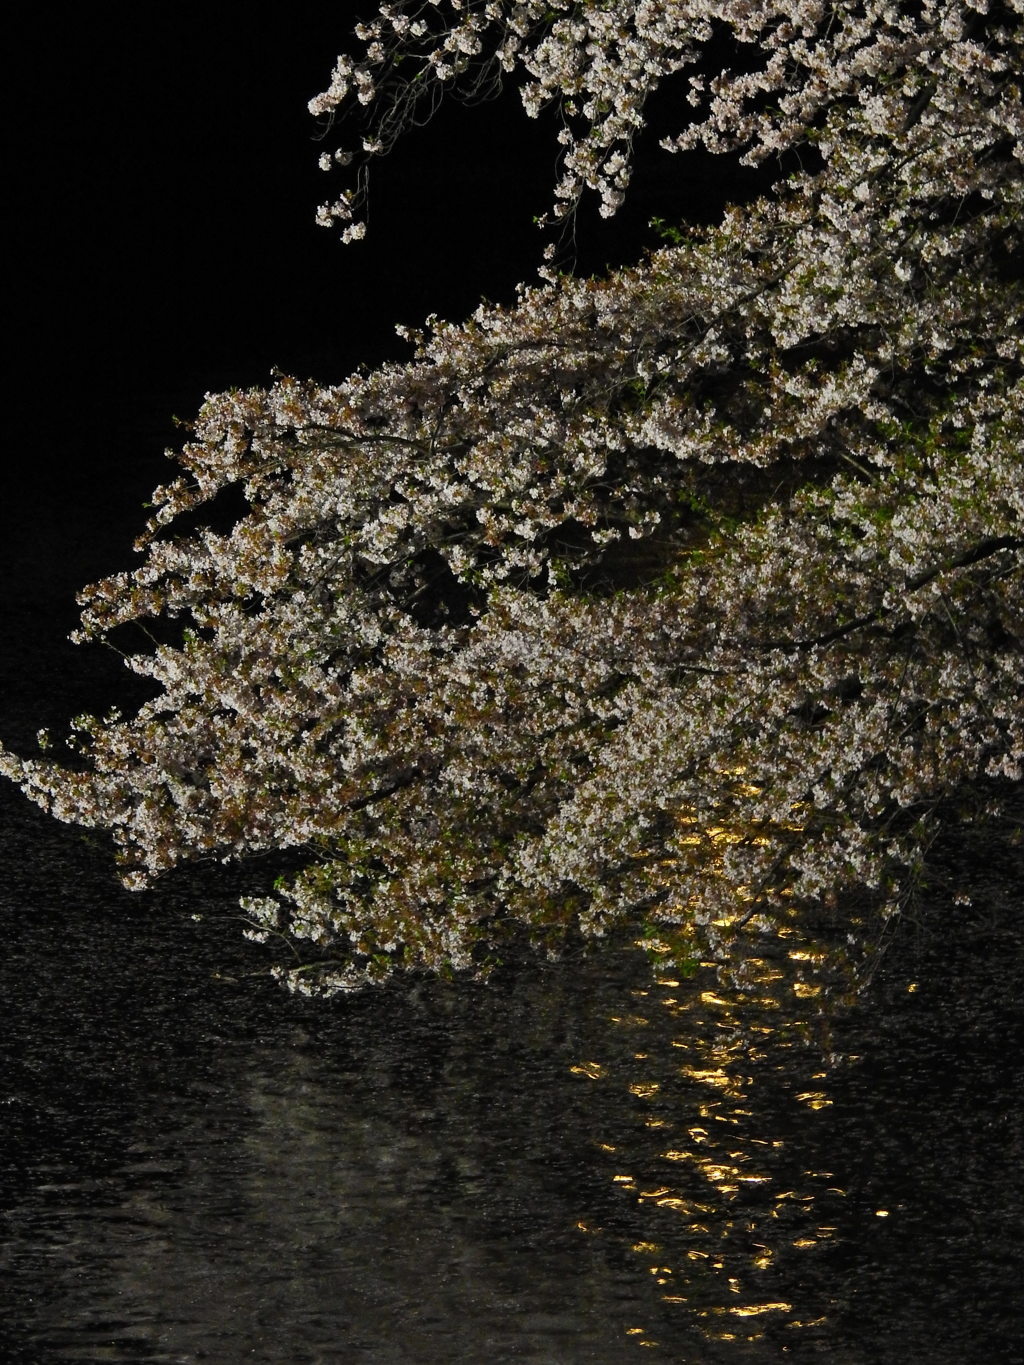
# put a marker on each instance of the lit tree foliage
(678, 596)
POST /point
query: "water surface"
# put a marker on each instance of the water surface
(582, 1162)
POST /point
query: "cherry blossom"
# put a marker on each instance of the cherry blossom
(677, 598)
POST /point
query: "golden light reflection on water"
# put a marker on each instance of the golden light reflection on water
(591, 1069)
(725, 1213)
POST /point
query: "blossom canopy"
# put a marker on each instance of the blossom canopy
(675, 597)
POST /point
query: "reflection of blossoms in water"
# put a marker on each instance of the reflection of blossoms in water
(723, 1209)
(814, 1171)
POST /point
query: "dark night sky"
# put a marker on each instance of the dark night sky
(161, 189)
(161, 206)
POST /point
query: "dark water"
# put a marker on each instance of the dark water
(586, 1162)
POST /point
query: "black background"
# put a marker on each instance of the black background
(162, 182)
(161, 198)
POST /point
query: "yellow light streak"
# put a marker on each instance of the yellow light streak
(593, 1070)
(706, 1076)
(814, 1099)
(716, 1173)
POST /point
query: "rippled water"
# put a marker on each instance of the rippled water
(588, 1162)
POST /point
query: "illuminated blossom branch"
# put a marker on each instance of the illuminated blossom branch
(796, 72)
(682, 596)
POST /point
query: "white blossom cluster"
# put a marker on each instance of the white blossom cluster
(761, 79)
(680, 596)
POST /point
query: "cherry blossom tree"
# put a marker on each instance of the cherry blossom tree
(675, 598)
